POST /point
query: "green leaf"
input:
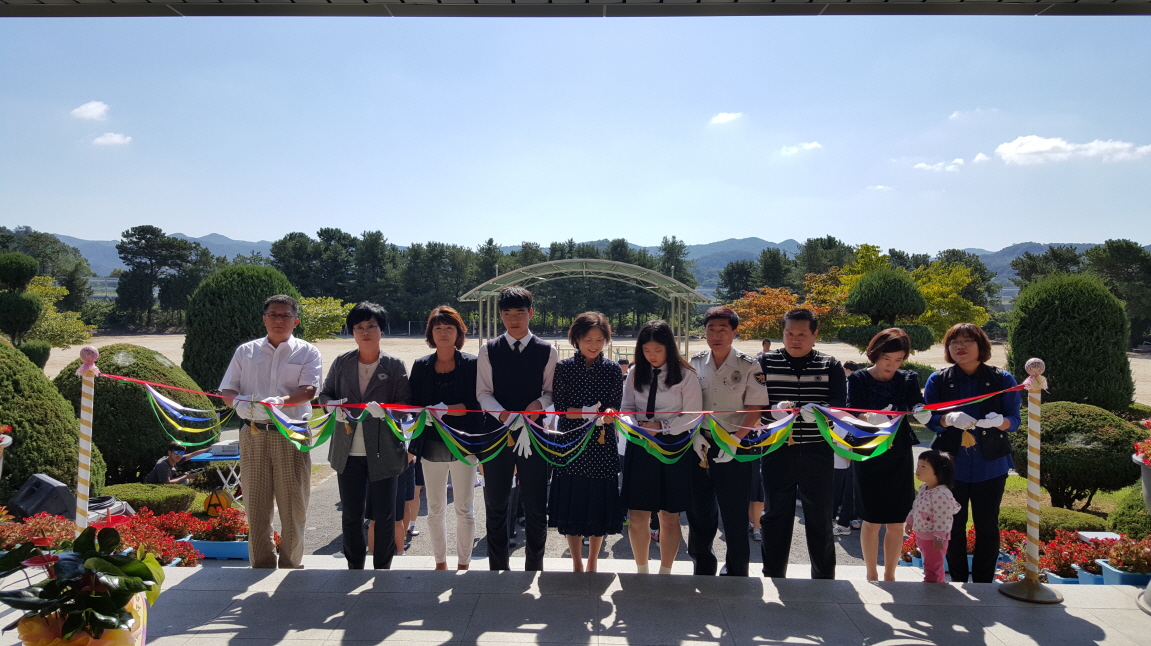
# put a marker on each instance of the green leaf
(122, 583)
(86, 541)
(29, 600)
(157, 576)
(108, 539)
(130, 566)
(11, 562)
(70, 567)
(72, 623)
(101, 565)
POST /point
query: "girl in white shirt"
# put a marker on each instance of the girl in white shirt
(649, 485)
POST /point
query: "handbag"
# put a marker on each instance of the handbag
(995, 444)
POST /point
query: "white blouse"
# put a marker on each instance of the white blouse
(684, 396)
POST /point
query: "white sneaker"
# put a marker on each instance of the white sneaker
(840, 530)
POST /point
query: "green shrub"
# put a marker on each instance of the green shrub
(44, 428)
(37, 352)
(18, 313)
(1080, 330)
(17, 270)
(1084, 449)
(1130, 516)
(884, 295)
(124, 425)
(323, 316)
(159, 498)
(1136, 412)
(860, 335)
(96, 312)
(1050, 519)
(224, 312)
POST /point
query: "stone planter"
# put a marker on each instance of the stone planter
(1111, 576)
(222, 549)
(1087, 578)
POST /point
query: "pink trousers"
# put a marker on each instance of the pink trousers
(932, 560)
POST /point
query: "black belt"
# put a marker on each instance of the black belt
(263, 426)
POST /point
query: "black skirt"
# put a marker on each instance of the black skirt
(584, 506)
(886, 486)
(651, 485)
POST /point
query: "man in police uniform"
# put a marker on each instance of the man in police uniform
(731, 381)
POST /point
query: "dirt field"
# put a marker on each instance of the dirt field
(411, 348)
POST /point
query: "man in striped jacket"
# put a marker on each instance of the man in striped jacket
(797, 374)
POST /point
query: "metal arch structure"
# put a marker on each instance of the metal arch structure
(565, 8)
(680, 296)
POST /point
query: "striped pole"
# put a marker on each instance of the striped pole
(87, 373)
(1030, 589)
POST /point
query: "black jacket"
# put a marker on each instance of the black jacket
(463, 390)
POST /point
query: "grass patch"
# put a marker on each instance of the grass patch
(1015, 495)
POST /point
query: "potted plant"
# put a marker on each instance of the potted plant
(1060, 555)
(1128, 562)
(141, 532)
(226, 536)
(92, 591)
(910, 554)
(1142, 457)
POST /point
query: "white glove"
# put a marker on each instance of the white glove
(441, 409)
(375, 410)
(807, 412)
(701, 445)
(723, 456)
(591, 412)
(523, 446)
(921, 415)
(959, 420)
(993, 420)
(243, 405)
(781, 414)
(275, 401)
(264, 410)
(876, 419)
(332, 407)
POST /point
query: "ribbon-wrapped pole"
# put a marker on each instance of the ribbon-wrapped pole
(87, 373)
(1030, 589)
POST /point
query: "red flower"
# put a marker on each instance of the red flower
(41, 541)
(44, 560)
(113, 521)
(5, 429)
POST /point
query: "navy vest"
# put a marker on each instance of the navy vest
(517, 377)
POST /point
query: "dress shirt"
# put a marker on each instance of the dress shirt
(484, 384)
(260, 370)
(734, 385)
(684, 396)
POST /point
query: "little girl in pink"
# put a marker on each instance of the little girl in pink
(933, 512)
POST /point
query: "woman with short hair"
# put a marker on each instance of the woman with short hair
(658, 389)
(975, 435)
(367, 456)
(886, 485)
(583, 499)
(447, 376)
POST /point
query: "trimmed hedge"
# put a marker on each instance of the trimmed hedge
(44, 428)
(1050, 519)
(1136, 412)
(37, 352)
(1080, 329)
(18, 313)
(225, 311)
(1084, 449)
(124, 424)
(1130, 516)
(159, 498)
(17, 270)
(884, 295)
(860, 335)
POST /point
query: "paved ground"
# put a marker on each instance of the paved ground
(225, 604)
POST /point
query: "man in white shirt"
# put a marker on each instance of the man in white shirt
(731, 381)
(514, 373)
(282, 371)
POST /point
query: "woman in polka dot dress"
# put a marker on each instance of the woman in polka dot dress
(584, 499)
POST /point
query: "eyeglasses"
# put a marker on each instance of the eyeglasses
(360, 329)
(275, 316)
(961, 343)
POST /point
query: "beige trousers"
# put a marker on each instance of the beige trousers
(274, 474)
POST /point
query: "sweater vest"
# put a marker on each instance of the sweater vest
(811, 385)
(517, 377)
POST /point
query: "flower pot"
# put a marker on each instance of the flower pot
(1146, 470)
(917, 561)
(222, 549)
(903, 563)
(47, 630)
(1088, 578)
(1055, 578)
(1111, 576)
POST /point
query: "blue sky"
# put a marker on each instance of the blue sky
(531, 129)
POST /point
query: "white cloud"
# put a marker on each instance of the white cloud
(980, 158)
(111, 139)
(1033, 149)
(807, 145)
(726, 117)
(879, 187)
(967, 114)
(92, 110)
(951, 166)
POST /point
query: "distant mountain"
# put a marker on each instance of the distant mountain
(1000, 261)
(102, 256)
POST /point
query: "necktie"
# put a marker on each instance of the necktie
(516, 347)
(654, 388)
